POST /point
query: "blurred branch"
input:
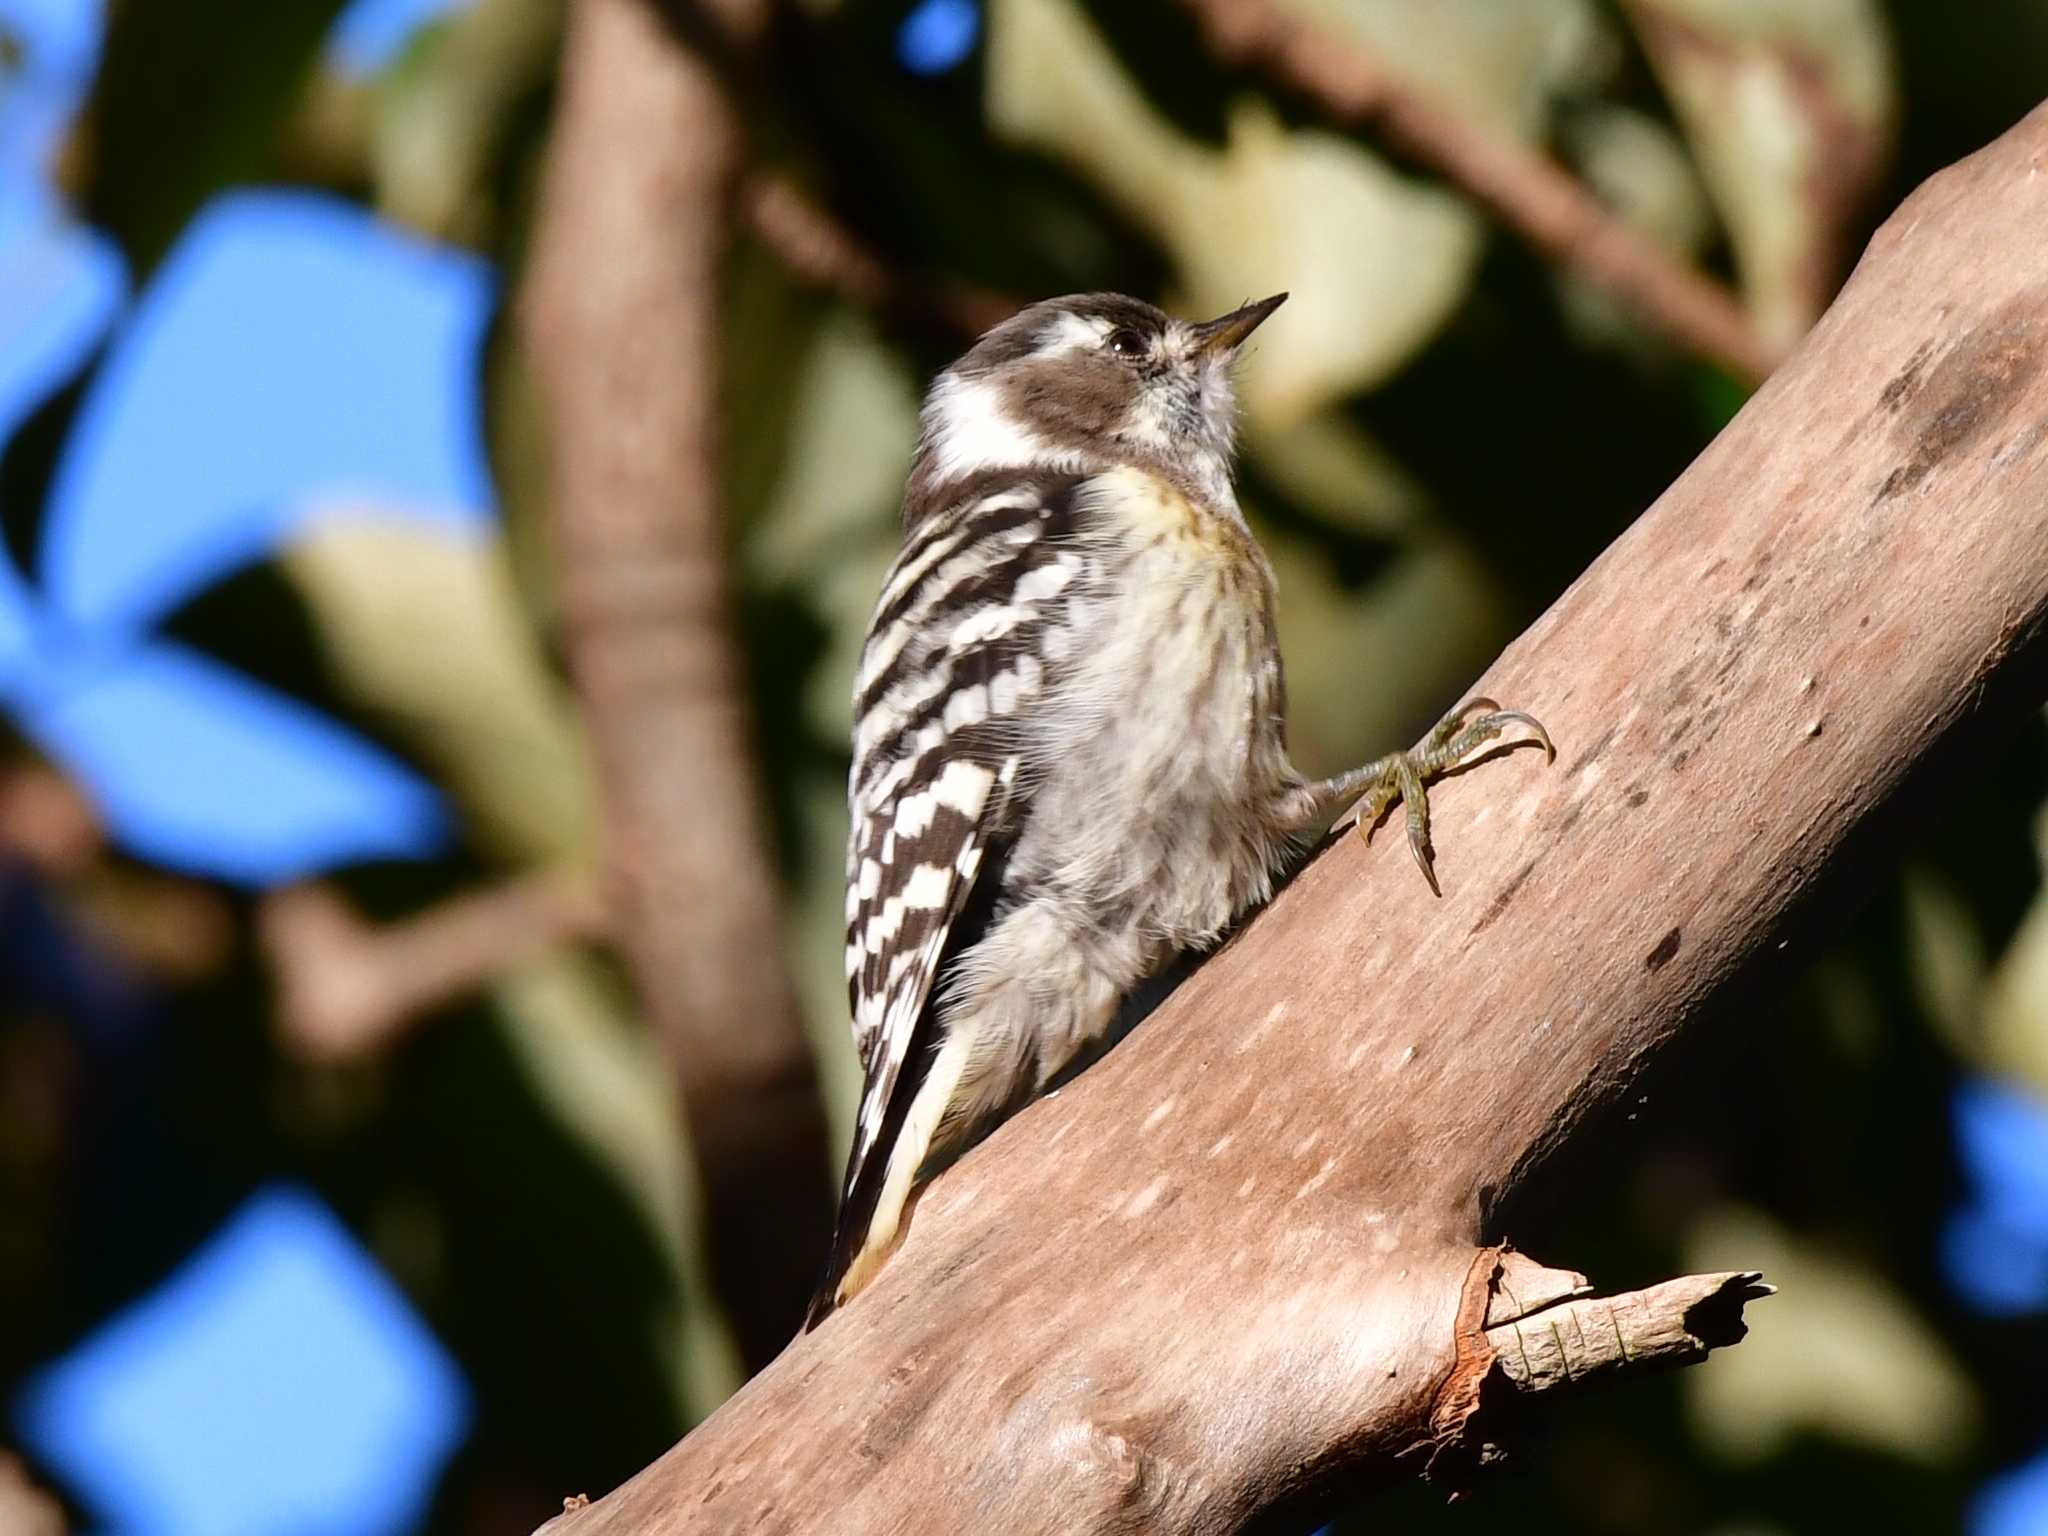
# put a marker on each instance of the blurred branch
(621, 310)
(25, 1509)
(492, 56)
(821, 251)
(1526, 190)
(347, 988)
(1248, 1263)
(162, 924)
(722, 35)
(48, 821)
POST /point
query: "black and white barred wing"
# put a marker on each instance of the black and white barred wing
(956, 659)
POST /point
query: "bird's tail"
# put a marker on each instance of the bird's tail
(848, 1235)
(882, 1182)
(866, 1232)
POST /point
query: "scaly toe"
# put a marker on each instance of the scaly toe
(1373, 804)
(1454, 723)
(1405, 776)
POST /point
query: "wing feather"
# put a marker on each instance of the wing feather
(954, 658)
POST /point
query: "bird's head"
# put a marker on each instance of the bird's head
(1084, 382)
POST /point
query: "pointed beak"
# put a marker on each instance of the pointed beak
(1225, 334)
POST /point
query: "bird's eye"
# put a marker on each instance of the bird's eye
(1125, 342)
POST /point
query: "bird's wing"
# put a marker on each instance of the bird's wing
(957, 656)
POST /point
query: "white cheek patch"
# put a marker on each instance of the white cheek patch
(969, 431)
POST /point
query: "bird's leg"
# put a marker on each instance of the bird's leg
(1405, 776)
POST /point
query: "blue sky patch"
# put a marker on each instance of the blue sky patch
(278, 1381)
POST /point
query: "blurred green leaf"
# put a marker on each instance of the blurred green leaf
(1639, 169)
(522, 1122)
(819, 513)
(818, 926)
(443, 113)
(572, 1028)
(189, 99)
(1374, 262)
(1358, 681)
(1500, 64)
(1338, 470)
(912, 168)
(1791, 107)
(1945, 955)
(850, 428)
(1642, 172)
(2015, 1003)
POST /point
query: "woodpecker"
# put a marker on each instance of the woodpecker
(1069, 750)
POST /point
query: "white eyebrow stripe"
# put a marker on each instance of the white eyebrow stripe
(1072, 330)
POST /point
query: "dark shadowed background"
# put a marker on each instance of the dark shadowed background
(343, 1185)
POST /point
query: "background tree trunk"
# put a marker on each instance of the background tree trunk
(622, 311)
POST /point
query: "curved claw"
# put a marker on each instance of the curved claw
(1516, 717)
(1418, 844)
(1371, 809)
(1415, 796)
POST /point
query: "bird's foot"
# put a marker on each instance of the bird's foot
(1405, 776)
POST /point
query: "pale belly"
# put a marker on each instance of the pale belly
(1150, 826)
(1164, 750)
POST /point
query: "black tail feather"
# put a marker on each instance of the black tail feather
(866, 1176)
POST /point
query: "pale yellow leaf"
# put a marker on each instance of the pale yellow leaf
(423, 628)
(1791, 107)
(1837, 1352)
(1499, 62)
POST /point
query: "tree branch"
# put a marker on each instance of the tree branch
(621, 312)
(1583, 1338)
(824, 253)
(1523, 188)
(25, 1509)
(1235, 1266)
(347, 988)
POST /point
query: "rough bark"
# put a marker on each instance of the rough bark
(1239, 1261)
(622, 311)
